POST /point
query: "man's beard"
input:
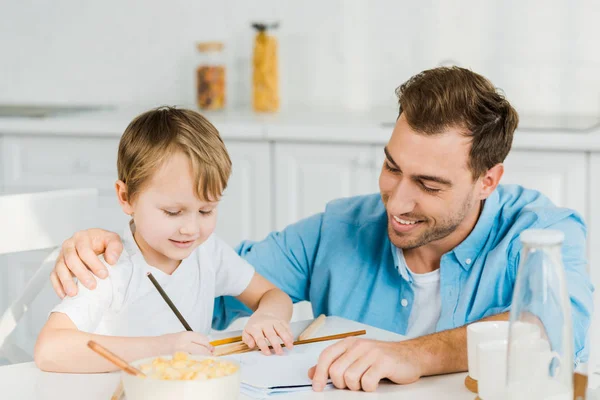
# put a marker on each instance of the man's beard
(439, 231)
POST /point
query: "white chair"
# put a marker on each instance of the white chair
(37, 221)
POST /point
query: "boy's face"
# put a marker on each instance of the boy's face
(169, 218)
(428, 188)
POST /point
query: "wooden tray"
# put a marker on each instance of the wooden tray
(579, 386)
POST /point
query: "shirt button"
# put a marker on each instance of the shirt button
(468, 261)
(404, 302)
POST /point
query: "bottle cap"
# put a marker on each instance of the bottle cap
(209, 46)
(261, 27)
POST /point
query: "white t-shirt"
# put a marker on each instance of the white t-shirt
(427, 303)
(127, 304)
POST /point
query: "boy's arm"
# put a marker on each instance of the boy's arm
(284, 258)
(61, 347)
(261, 296)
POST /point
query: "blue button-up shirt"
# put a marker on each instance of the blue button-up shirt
(343, 262)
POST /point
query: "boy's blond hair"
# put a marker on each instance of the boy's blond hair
(156, 134)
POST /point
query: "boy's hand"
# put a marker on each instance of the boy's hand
(263, 329)
(188, 342)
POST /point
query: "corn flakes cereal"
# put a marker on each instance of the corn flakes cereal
(181, 367)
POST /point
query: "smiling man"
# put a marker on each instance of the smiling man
(437, 249)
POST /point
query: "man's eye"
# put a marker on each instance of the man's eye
(429, 190)
(390, 168)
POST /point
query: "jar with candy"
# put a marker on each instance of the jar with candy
(210, 76)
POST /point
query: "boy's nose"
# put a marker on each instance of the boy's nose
(190, 227)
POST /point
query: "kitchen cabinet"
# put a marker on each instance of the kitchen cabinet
(307, 176)
(246, 210)
(562, 176)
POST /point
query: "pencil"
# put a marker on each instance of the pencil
(113, 358)
(243, 347)
(169, 302)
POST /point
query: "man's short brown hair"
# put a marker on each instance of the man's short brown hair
(156, 134)
(452, 97)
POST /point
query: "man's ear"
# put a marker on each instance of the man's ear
(490, 180)
(121, 189)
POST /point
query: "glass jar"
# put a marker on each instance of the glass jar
(265, 74)
(210, 76)
(540, 367)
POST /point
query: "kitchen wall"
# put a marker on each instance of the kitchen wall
(347, 54)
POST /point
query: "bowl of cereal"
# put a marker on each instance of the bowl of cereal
(183, 377)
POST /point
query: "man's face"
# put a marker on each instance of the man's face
(426, 185)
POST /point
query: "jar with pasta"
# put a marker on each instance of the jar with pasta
(210, 76)
(265, 74)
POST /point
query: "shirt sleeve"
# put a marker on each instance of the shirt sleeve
(87, 308)
(284, 258)
(579, 286)
(233, 274)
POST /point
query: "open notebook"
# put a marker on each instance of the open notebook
(263, 376)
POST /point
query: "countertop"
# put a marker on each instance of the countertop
(563, 133)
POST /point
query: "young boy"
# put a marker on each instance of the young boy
(173, 168)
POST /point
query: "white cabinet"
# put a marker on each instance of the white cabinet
(307, 176)
(38, 163)
(562, 176)
(60, 162)
(245, 211)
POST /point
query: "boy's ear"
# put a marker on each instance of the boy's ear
(121, 189)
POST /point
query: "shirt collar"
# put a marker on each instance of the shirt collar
(467, 251)
(129, 243)
(400, 264)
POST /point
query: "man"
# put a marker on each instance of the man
(437, 249)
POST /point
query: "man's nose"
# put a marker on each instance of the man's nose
(402, 199)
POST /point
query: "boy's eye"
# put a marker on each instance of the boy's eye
(206, 212)
(172, 213)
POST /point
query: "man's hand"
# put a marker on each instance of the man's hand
(359, 364)
(79, 255)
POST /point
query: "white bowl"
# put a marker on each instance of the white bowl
(223, 388)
